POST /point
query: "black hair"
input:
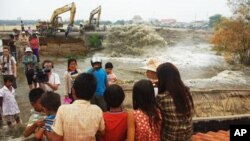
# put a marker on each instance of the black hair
(51, 101)
(85, 85)
(169, 80)
(8, 78)
(47, 61)
(144, 99)
(71, 60)
(108, 65)
(114, 96)
(12, 36)
(35, 94)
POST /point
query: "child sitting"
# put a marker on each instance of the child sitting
(50, 102)
(115, 118)
(10, 109)
(111, 76)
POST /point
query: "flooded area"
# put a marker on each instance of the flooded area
(199, 65)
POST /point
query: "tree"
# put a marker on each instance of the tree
(120, 22)
(213, 20)
(232, 36)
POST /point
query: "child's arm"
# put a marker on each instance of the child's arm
(131, 127)
(31, 129)
(39, 133)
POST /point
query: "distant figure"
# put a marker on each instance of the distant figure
(30, 31)
(68, 30)
(12, 46)
(34, 44)
(111, 76)
(22, 26)
(176, 104)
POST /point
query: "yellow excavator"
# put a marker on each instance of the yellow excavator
(55, 23)
(93, 21)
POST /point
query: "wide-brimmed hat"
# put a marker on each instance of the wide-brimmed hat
(151, 64)
(28, 49)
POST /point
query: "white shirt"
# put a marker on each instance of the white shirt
(10, 106)
(8, 63)
(53, 79)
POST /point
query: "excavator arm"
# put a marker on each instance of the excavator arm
(93, 13)
(70, 7)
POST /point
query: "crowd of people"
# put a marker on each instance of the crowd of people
(92, 108)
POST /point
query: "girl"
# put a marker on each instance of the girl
(144, 123)
(8, 102)
(176, 104)
(69, 77)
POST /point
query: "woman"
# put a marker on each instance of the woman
(69, 77)
(144, 123)
(176, 104)
(34, 44)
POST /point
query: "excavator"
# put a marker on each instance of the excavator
(55, 24)
(93, 23)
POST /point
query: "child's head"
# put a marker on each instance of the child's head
(84, 86)
(114, 96)
(108, 67)
(143, 95)
(72, 64)
(35, 98)
(50, 102)
(8, 80)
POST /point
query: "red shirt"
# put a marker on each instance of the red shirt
(34, 43)
(115, 126)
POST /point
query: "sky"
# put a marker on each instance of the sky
(181, 10)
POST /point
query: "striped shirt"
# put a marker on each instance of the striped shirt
(49, 120)
(175, 126)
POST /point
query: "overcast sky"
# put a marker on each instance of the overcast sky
(181, 10)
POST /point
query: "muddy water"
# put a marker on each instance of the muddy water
(199, 66)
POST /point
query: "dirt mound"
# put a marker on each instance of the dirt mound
(131, 39)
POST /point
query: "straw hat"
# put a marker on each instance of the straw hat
(151, 64)
(28, 49)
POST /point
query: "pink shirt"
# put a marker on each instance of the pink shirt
(143, 130)
(34, 43)
(111, 78)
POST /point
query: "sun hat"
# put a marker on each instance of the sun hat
(28, 49)
(151, 64)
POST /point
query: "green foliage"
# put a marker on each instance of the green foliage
(95, 40)
(213, 20)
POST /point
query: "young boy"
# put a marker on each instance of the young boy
(36, 119)
(115, 118)
(50, 102)
(8, 102)
(111, 76)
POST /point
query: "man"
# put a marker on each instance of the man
(79, 121)
(102, 82)
(53, 82)
(8, 65)
(36, 119)
(151, 66)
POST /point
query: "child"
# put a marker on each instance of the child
(8, 102)
(69, 77)
(115, 118)
(50, 102)
(111, 76)
(144, 123)
(36, 118)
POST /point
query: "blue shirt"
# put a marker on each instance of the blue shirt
(49, 120)
(101, 78)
